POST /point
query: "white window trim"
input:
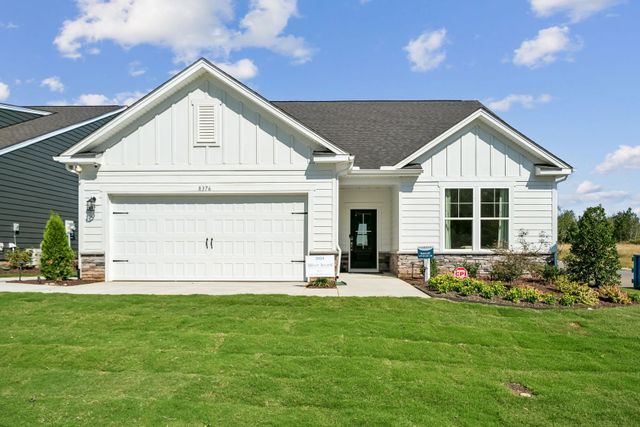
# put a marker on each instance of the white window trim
(217, 122)
(476, 215)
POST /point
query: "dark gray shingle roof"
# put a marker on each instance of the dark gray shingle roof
(379, 133)
(61, 117)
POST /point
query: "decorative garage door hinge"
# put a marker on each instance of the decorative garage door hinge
(120, 260)
(299, 213)
(297, 260)
(121, 213)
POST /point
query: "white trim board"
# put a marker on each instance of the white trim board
(28, 142)
(24, 109)
(197, 69)
(497, 125)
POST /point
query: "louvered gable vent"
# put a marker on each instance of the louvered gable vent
(205, 122)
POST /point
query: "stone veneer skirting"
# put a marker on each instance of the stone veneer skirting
(408, 266)
(92, 267)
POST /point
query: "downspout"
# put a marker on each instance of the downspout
(337, 225)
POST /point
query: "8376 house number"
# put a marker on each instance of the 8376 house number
(204, 188)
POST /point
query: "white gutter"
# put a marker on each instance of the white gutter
(552, 171)
(386, 172)
(56, 132)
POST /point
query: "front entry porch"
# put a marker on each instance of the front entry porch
(367, 228)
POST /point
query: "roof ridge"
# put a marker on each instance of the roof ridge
(380, 100)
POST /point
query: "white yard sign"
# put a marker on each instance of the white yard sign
(320, 265)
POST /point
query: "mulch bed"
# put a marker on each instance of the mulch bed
(453, 296)
(68, 282)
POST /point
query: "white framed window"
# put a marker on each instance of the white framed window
(458, 218)
(494, 218)
(476, 218)
(206, 122)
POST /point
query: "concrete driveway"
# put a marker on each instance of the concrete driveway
(361, 285)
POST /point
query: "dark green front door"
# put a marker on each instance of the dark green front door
(364, 239)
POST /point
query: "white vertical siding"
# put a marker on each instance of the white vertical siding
(164, 136)
(476, 157)
(256, 155)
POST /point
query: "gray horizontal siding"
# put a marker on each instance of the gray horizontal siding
(32, 185)
(11, 117)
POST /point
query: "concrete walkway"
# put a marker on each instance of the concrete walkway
(361, 285)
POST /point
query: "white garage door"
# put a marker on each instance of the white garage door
(208, 238)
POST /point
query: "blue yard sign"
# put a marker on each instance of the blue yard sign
(425, 252)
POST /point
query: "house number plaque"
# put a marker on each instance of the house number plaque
(204, 188)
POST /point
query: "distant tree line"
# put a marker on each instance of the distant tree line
(625, 226)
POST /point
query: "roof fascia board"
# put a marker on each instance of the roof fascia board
(56, 132)
(386, 172)
(491, 121)
(24, 109)
(194, 71)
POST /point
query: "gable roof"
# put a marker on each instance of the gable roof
(379, 133)
(58, 118)
(199, 68)
(12, 114)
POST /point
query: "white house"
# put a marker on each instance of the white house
(204, 179)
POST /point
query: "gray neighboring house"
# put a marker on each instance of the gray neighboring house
(32, 184)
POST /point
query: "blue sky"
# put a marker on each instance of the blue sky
(564, 72)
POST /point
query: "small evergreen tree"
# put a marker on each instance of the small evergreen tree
(566, 225)
(57, 256)
(594, 256)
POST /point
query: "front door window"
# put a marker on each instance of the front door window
(363, 239)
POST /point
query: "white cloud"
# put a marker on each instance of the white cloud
(136, 69)
(425, 52)
(545, 48)
(8, 25)
(243, 69)
(625, 157)
(526, 101)
(121, 98)
(190, 28)
(4, 91)
(587, 191)
(53, 83)
(576, 9)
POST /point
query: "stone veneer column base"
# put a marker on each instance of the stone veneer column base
(92, 267)
(408, 266)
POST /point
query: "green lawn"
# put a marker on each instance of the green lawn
(166, 360)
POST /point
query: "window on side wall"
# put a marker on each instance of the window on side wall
(494, 218)
(458, 223)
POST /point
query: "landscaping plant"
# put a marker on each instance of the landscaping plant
(56, 262)
(594, 257)
(472, 268)
(614, 294)
(582, 294)
(515, 262)
(18, 258)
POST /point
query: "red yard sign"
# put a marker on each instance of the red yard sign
(460, 273)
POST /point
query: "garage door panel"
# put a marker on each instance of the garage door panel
(205, 238)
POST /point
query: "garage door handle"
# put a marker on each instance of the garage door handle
(206, 243)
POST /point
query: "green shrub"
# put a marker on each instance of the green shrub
(57, 256)
(549, 299)
(18, 258)
(614, 294)
(472, 268)
(442, 283)
(635, 297)
(514, 295)
(567, 300)
(322, 282)
(507, 269)
(489, 290)
(550, 273)
(594, 256)
(531, 295)
(583, 293)
(434, 266)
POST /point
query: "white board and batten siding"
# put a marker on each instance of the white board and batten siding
(252, 154)
(475, 157)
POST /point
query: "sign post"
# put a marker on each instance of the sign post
(425, 253)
